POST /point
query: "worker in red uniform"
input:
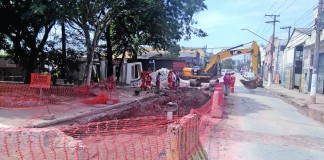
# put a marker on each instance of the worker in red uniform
(158, 82)
(227, 83)
(232, 82)
(148, 81)
(171, 80)
(143, 84)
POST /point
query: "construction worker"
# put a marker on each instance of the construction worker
(227, 82)
(174, 81)
(170, 78)
(232, 81)
(55, 74)
(143, 84)
(158, 83)
(148, 81)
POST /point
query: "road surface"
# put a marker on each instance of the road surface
(260, 126)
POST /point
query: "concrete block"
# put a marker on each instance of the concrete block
(49, 117)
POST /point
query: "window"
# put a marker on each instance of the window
(281, 48)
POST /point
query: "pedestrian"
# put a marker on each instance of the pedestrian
(55, 74)
(158, 83)
(227, 82)
(232, 81)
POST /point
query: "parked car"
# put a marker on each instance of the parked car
(226, 71)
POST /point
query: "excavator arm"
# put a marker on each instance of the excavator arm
(254, 51)
(197, 75)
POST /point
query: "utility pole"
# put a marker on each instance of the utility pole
(289, 28)
(318, 29)
(270, 69)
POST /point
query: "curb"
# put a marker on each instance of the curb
(92, 112)
(302, 108)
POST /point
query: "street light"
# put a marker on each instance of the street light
(244, 29)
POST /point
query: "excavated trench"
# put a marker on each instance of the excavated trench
(184, 98)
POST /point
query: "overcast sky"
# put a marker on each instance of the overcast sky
(224, 20)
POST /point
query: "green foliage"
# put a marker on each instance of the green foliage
(27, 30)
(228, 64)
(134, 23)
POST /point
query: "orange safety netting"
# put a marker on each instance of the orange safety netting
(102, 98)
(138, 138)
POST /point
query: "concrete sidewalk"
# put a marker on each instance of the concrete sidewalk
(300, 100)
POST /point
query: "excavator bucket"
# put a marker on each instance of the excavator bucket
(252, 84)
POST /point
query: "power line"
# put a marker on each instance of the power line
(279, 7)
(303, 21)
(288, 6)
(262, 20)
(272, 6)
(302, 35)
(306, 14)
(289, 28)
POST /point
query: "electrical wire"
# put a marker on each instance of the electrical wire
(279, 7)
(262, 20)
(272, 6)
(288, 7)
(305, 15)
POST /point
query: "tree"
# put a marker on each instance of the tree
(157, 23)
(27, 30)
(91, 19)
(228, 64)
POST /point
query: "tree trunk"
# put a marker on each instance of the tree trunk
(88, 71)
(110, 66)
(29, 70)
(63, 50)
(121, 62)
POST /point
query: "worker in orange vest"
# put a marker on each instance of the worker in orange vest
(232, 82)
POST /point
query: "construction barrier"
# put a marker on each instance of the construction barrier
(184, 140)
(151, 137)
(141, 138)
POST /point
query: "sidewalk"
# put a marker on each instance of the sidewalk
(300, 101)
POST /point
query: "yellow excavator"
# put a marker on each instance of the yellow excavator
(213, 68)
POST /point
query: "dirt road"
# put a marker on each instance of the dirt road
(260, 126)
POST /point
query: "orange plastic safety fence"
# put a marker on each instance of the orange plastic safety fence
(136, 138)
(21, 96)
(141, 138)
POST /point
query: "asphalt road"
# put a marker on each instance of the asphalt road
(260, 126)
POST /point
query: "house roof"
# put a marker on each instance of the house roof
(187, 54)
(307, 31)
